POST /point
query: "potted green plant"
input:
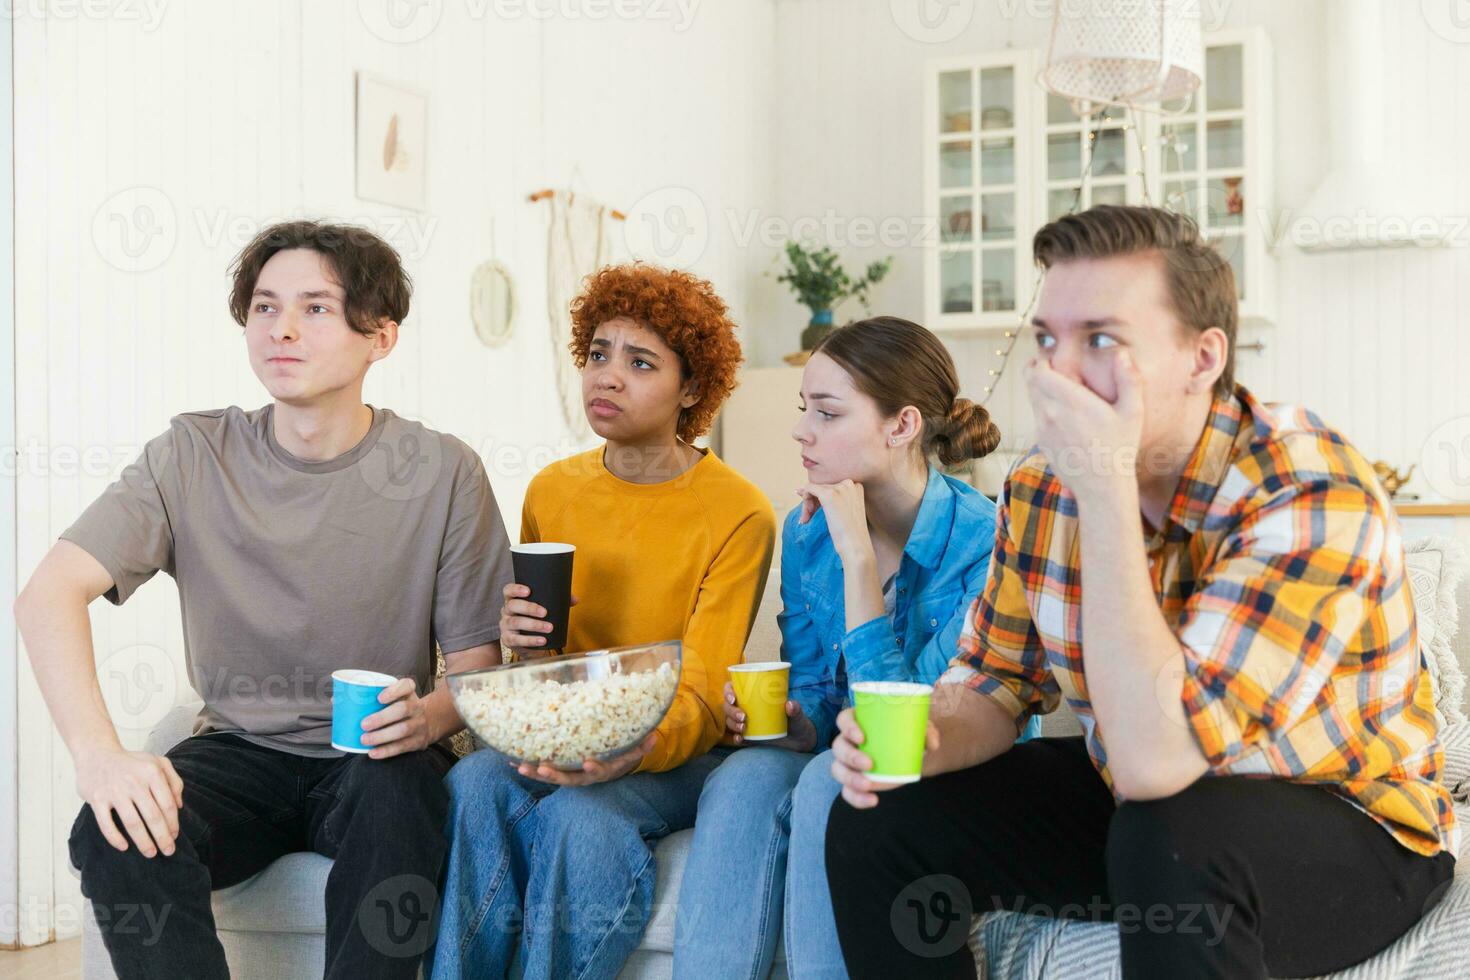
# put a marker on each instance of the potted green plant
(820, 283)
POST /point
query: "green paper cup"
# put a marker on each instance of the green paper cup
(894, 716)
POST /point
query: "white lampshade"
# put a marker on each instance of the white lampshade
(1100, 55)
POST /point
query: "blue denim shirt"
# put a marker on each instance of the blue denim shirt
(942, 570)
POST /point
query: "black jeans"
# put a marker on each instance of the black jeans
(1232, 877)
(382, 821)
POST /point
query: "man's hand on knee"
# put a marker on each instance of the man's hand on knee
(141, 790)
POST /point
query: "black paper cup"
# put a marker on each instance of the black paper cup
(546, 568)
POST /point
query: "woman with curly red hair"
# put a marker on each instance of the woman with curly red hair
(671, 542)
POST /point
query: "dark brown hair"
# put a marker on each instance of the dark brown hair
(366, 267)
(1200, 280)
(897, 363)
(682, 309)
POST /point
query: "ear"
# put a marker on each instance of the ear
(905, 427)
(383, 341)
(1211, 350)
(690, 395)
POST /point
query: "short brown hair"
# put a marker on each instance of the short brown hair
(367, 268)
(1201, 282)
(896, 363)
(682, 309)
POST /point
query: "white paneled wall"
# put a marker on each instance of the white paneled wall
(220, 117)
(1376, 341)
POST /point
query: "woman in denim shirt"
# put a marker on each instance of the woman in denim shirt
(880, 563)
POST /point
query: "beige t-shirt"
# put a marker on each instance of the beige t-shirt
(289, 569)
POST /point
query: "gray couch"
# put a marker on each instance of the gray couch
(272, 925)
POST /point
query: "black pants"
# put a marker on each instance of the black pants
(1232, 877)
(382, 821)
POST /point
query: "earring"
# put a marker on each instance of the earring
(892, 441)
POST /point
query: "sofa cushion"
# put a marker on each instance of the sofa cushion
(1435, 567)
(672, 853)
(288, 896)
(659, 936)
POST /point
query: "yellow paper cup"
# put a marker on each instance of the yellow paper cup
(760, 692)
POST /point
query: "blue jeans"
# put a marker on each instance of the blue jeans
(812, 949)
(579, 908)
(738, 877)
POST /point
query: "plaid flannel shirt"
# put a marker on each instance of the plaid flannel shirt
(1280, 570)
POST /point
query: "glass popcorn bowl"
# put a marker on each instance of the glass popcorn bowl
(563, 710)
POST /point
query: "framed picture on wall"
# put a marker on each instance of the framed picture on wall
(392, 142)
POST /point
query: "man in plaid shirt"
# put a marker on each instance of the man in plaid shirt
(1217, 588)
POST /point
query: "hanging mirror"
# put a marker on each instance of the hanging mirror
(492, 303)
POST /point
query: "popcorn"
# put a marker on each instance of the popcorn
(565, 723)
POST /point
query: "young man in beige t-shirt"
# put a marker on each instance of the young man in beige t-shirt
(312, 534)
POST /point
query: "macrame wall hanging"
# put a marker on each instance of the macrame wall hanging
(578, 243)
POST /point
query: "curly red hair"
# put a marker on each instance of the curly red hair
(682, 309)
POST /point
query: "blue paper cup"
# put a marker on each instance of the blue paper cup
(354, 697)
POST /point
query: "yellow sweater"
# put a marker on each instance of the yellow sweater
(683, 559)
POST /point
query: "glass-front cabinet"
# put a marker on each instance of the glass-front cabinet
(978, 120)
(1002, 157)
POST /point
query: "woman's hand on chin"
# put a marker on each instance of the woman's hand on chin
(847, 516)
